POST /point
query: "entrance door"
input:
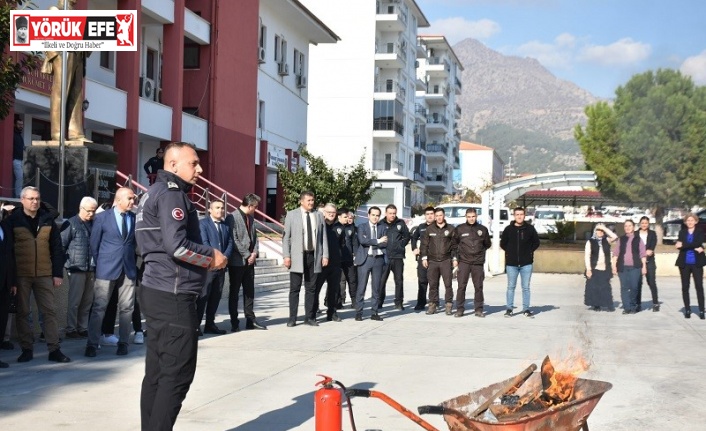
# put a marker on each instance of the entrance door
(271, 203)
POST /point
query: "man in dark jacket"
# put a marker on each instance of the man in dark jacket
(519, 240)
(75, 238)
(331, 274)
(438, 251)
(169, 238)
(397, 239)
(7, 276)
(349, 273)
(472, 241)
(649, 237)
(39, 260)
(154, 164)
(422, 281)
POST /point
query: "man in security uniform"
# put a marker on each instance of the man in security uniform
(397, 239)
(472, 241)
(421, 270)
(168, 235)
(349, 273)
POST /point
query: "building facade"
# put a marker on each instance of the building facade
(481, 167)
(198, 76)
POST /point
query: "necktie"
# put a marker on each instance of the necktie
(309, 233)
(375, 235)
(220, 235)
(124, 232)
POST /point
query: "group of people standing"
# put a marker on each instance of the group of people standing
(632, 256)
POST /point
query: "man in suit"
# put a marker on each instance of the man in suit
(217, 234)
(7, 277)
(305, 251)
(241, 268)
(331, 274)
(113, 249)
(371, 260)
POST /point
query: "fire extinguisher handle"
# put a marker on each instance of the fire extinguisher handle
(431, 410)
(358, 393)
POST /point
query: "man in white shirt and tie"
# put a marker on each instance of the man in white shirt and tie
(371, 259)
(305, 252)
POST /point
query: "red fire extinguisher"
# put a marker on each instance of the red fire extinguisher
(328, 408)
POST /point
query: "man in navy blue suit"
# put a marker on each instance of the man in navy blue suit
(371, 259)
(217, 234)
(113, 248)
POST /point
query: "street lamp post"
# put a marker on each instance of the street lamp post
(62, 132)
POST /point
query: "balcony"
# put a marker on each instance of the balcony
(194, 130)
(420, 111)
(458, 112)
(108, 105)
(437, 150)
(438, 67)
(437, 123)
(197, 28)
(459, 86)
(390, 55)
(437, 178)
(387, 130)
(437, 95)
(155, 120)
(390, 87)
(419, 177)
(390, 17)
(420, 143)
(161, 11)
(388, 165)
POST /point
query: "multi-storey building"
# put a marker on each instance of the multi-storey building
(438, 113)
(362, 93)
(227, 76)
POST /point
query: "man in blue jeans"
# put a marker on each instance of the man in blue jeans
(519, 240)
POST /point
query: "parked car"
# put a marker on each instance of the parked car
(544, 220)
(456, 215)
(672, 227)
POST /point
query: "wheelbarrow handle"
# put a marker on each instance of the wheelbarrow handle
(358, 393)
(431, 410)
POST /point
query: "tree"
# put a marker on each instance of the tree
(12, 68)
(650, 146)
(348, 187)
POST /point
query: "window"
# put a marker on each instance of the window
(107, 60)
(41, 130)
(100, 138)
(388, 115)
(192, 54)
(263, 36)
(278, 48)
(261, 114)
(191, 110)
(299, 60)
(150, 62)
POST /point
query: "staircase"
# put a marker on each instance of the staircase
(270, 274)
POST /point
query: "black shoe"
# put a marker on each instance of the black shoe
(235, 328)
(655, 308)
(291, 324)
(339, 306)
(376, 317)
(638, 309)
(687, 314)
(213, 329)
(252, 324)
(629, 311)
(4, 364)
(333, 318)
(596, 308)
(199, 332)
(7, 345)
(702, 315)
(358, 317)
(122, 349)
(72, 335)
(26, 356)
(84, 334)
(41, 336)
(528, 313)
(459, 313)
(399, 307)
(90, 352)
(479, 313)
(311, 322)
(419, 307)
(508, 313)
(57, 356)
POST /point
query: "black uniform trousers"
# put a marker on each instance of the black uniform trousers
(295, 286)
(241, 276)
(422, 284)
(331, 275)
(477, 275)
(213, 290)
(445, 270)
(396, 267)
(170, 359)
(651, 278)
(349, 274)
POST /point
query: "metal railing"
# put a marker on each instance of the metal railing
(437, 148)
(390, 86)
(388, 124)
(437, 119)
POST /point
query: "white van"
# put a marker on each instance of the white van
(544, 220)
(456, 215)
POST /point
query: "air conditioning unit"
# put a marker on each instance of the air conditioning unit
(301, 81)
(283, 69)
(158, 95)
(147, 89)
(261, 55)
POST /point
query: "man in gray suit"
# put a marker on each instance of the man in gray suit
(305, 251)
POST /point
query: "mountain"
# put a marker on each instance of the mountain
(519, 93)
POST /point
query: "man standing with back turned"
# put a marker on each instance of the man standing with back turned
(168, 235)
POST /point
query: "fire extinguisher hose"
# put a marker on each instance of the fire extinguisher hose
(348, 400)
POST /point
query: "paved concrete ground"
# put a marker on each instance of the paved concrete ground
(264, 380)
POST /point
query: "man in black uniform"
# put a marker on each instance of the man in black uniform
(154, 164)
(349, 273)
(421, 269)
(438, 250)
(168, 235)
(331, 273)
(397, 239)
(472, 241)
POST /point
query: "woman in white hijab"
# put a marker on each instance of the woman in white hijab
(598, 293)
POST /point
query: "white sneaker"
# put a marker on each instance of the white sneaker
(139, 338)
(110, 340)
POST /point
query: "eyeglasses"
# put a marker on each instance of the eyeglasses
(88, 211)
(31, 199)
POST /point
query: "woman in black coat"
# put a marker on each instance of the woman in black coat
(598, 292)
(691, 261)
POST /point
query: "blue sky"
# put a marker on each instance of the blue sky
(597, 44)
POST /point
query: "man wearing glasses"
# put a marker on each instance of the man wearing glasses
(75, 238)
(154, 164)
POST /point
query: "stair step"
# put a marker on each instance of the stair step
(273, 285)
(264, 262)
(267, 278)
(270, 269)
